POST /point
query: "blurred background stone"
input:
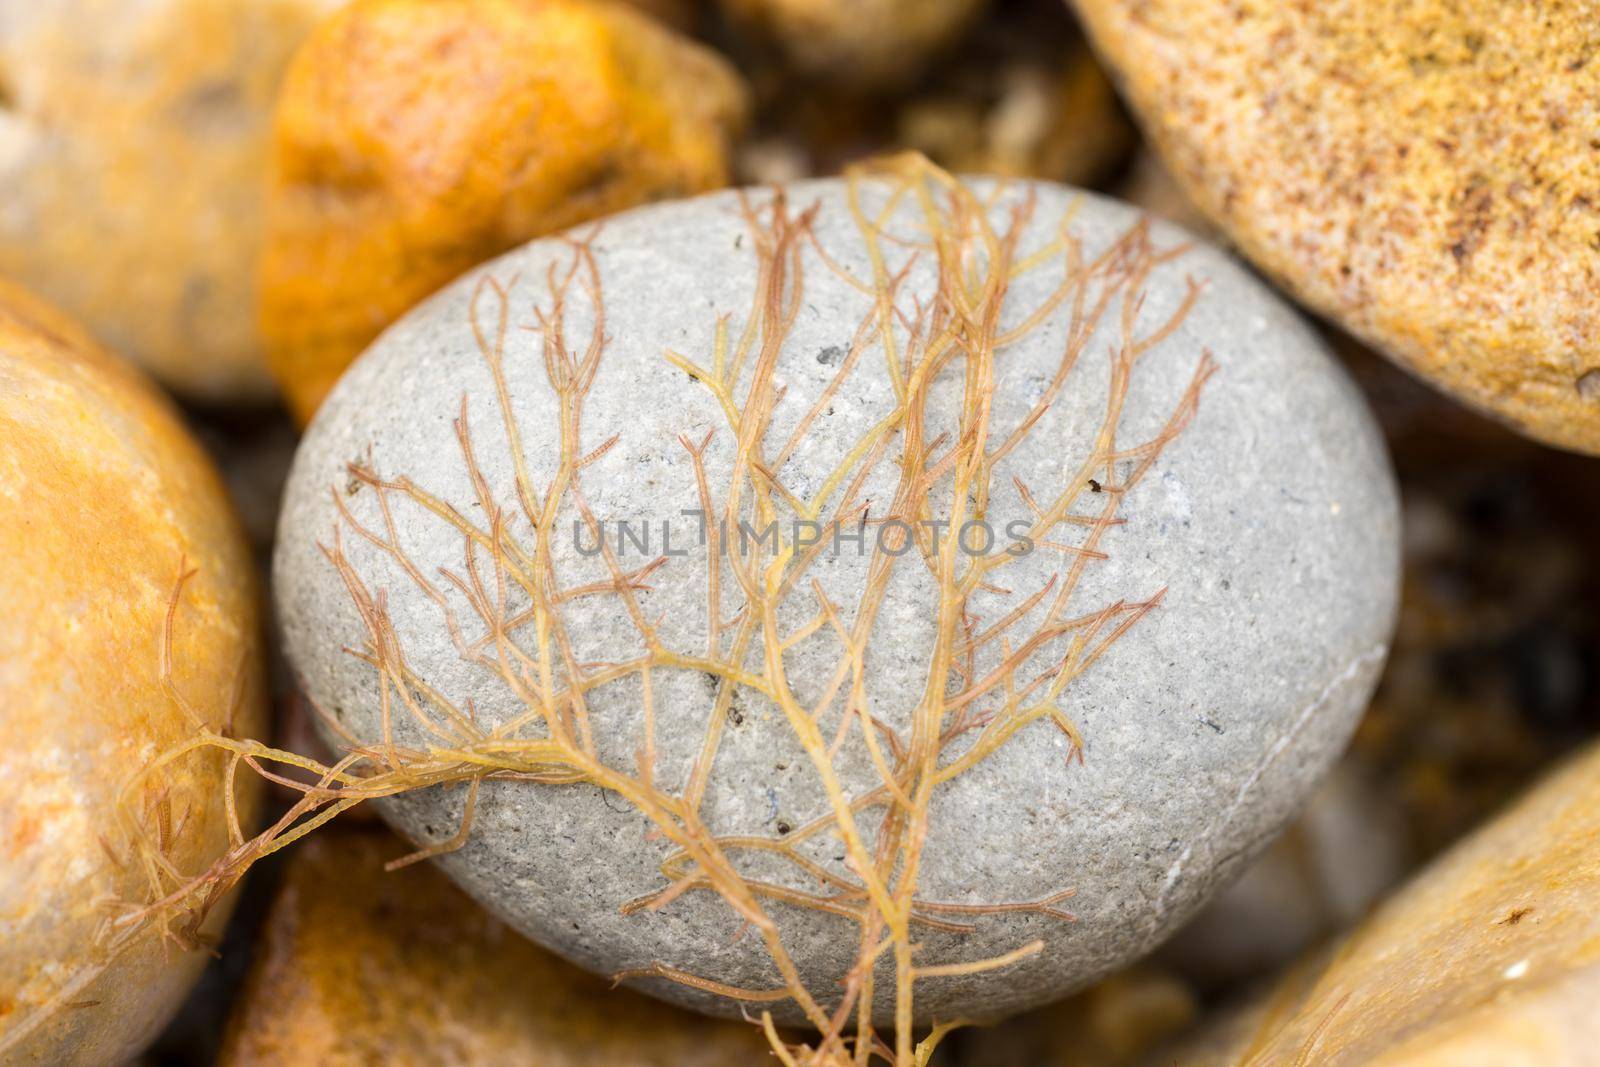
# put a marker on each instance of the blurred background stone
(133, 140)
(415, 138)
(1107, 1025)
(357, 966)
(1018, 94)
(1323, 874)
(861, 43)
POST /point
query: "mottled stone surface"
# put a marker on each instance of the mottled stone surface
(415, 138)
(1491, 955)
(103, 495)
(133, 138)
(1423, 172)
(1270, 522)
(356, 966)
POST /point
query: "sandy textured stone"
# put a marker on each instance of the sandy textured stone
(133, 137)
(1490, 956)
(1423, 172)
(861, 42)
(356, 966)
(1270, 522)
(415, 138)
(102, 494)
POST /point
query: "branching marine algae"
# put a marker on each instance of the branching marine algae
(987, 677)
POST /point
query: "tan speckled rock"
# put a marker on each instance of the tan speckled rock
(356, 967)
(102, 494)
(416, 138)
(1424, 172)
(133, 137)
(1489, 958)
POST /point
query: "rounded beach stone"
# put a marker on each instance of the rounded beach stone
(1421, 172)
(415, 138)
(103, 496)
(132, 142)
(1232, 549)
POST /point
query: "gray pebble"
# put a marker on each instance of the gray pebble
(1269, 522)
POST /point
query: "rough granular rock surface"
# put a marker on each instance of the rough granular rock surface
(1171, 667)
(1424, 172)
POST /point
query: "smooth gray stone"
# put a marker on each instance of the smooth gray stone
(1271, 522)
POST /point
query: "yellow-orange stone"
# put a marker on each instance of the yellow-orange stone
(1489, 958)
(102, 494)
(416, 138)
(133, 139)
(1425, 172)
(356, 966)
